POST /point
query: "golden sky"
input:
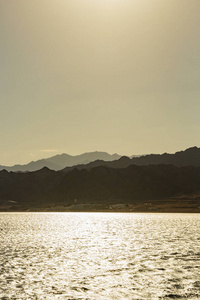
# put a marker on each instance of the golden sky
(112, 75)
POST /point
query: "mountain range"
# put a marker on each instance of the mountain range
(134, 185)
(169, 182)
(61, 161)
(189, 157)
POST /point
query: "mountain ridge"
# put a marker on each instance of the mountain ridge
(188, 157)
(61, 161)
(134, 185)
(89, 160)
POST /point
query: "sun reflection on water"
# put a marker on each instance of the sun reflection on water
(99, 256)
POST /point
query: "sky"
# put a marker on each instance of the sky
(121, 76)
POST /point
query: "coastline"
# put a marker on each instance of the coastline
(173, 205)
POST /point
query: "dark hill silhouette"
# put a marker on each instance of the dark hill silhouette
(189, 157)
(122, 162)
(128, 184)
(100, 185)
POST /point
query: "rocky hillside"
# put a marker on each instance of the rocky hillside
(99, 185)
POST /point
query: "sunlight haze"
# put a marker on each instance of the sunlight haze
(115, 76)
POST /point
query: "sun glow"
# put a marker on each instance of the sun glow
(138, 7)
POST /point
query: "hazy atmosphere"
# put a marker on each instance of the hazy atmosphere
(110, 75)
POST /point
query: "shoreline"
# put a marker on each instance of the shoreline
(35, 210)
(171, 205)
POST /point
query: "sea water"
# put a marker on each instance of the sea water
(99, 256)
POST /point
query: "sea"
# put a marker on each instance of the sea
(99, 256)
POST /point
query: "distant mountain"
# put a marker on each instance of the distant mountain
(122, 162)
(61, 161)
(189, 157)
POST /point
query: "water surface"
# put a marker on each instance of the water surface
(99, 256)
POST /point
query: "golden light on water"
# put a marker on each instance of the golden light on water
(99, 256)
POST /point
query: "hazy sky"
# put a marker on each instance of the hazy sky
(112, 75)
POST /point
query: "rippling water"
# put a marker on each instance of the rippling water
(99, 256)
